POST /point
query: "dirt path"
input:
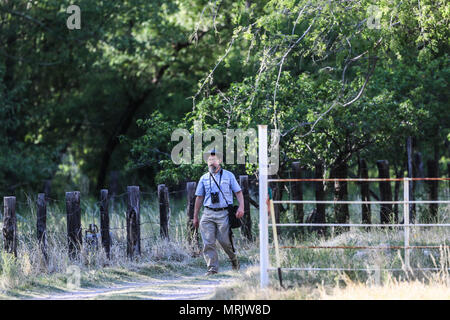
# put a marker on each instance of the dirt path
(179, 288)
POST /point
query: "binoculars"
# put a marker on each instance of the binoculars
(214, 197)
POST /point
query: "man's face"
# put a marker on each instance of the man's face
(213, 161)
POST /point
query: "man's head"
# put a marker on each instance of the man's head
(214, 159)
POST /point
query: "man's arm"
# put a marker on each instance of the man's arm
(240, 211)
(197, 206)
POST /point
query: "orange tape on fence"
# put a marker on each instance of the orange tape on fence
(358, 179)
(362, 247)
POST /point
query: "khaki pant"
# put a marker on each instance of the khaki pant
(214, 226)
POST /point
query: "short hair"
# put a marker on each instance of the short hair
(218, 154)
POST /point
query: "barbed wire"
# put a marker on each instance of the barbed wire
(366, 247)
(147, 238)
(110, 197)
(357, 179)
(117, 195)
(152, 193)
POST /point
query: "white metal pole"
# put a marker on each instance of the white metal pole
(263, 193)
(406, 219)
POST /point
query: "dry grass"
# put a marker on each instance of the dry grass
(395, 290)
(435, 287)
(30, 272)
(383, 284)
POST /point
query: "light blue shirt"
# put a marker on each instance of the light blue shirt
(227, 185)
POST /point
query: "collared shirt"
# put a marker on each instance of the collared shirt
(228, 184)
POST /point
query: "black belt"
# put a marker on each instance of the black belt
(216, 209)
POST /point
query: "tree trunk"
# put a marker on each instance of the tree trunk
(297, 193)
(386, 213)
(114, 183)
(433, 172)
(47, 187)
(320, 196)
(416, 185)
(365, 194)
(276, 195)
(126, 119)
(411, 184)
(448, 173)
(397, 193)
(246, 227)
(340, 194)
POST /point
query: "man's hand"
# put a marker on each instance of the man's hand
(240, 212)
(198, 204)
(195, 222)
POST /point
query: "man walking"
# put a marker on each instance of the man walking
(214, 224)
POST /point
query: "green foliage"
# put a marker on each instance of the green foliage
(74, 92)
(344, 89)
(335, 87)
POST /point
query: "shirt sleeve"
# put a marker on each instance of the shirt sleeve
(234, 184)
(200, 191)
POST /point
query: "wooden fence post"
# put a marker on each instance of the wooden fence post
(164, 211)
(320, 196)
(297, 194)
(104, 222)
(133, 222)
(192, 232)
(9, 225)
(41, 224)
(365, 193)
(433, 172)
(246, 227)
(386, 213)
(74, 233)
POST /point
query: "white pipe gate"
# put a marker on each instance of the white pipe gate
(264, 225)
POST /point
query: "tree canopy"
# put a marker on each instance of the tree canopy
(339, 79)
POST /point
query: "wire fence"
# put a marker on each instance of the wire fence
(264, 225)
(91, 210)
(406, 225)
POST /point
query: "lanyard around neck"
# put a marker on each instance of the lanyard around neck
(220, 180)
